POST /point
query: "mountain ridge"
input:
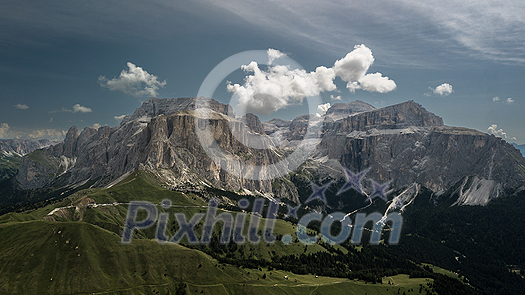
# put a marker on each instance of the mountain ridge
(403, 143)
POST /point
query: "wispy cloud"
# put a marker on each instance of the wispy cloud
(77, 108)
(510, 100)
(495, 99)
(492, 29)
(134, 81)
(21, 106)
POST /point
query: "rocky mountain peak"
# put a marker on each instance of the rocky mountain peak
(253, 122)
(167, 106)
(397, 116)
(70, 140)
(353, 107)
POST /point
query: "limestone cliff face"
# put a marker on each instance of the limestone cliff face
(392, 117)
(167, 145)
(403, 143)
(436, 157)
(253, 122)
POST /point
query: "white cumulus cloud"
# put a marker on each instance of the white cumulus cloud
(353, 67)
(493, 129)
(333, 97)
(81, 109)
(266, 91)
(495, 99)
(274, 54)
(322, 108)
(21, 106)
(510, 100)
(443, 89)
(134, 81)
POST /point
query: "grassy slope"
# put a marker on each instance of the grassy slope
(9, 166)
(69, 256)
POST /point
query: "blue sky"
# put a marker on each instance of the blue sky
(54, 55)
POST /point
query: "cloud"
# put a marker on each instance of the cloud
(495, 99)
(76, 109)
(333, 97)
(444, 89)
(264, 92)
(490, 30)
(81, 109)
(21, 106)
(119, 118)
(47, 133)
(510, 100)
(322, 108)
(493, 129)
(353, 67)
(274, 54)
(135, 81)
(4, 130)
(7, 132)
(96, 125)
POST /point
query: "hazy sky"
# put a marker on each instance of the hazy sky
(84, 63)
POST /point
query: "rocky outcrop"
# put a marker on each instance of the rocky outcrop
(253, 122)
(343, 110)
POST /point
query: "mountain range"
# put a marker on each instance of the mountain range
(404, 144)
(460, 193)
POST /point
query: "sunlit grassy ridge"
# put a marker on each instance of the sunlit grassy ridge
(77, 250)
(43, 257)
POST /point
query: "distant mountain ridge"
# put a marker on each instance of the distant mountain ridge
(403, 143)
(520, 147)
(22, 146)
